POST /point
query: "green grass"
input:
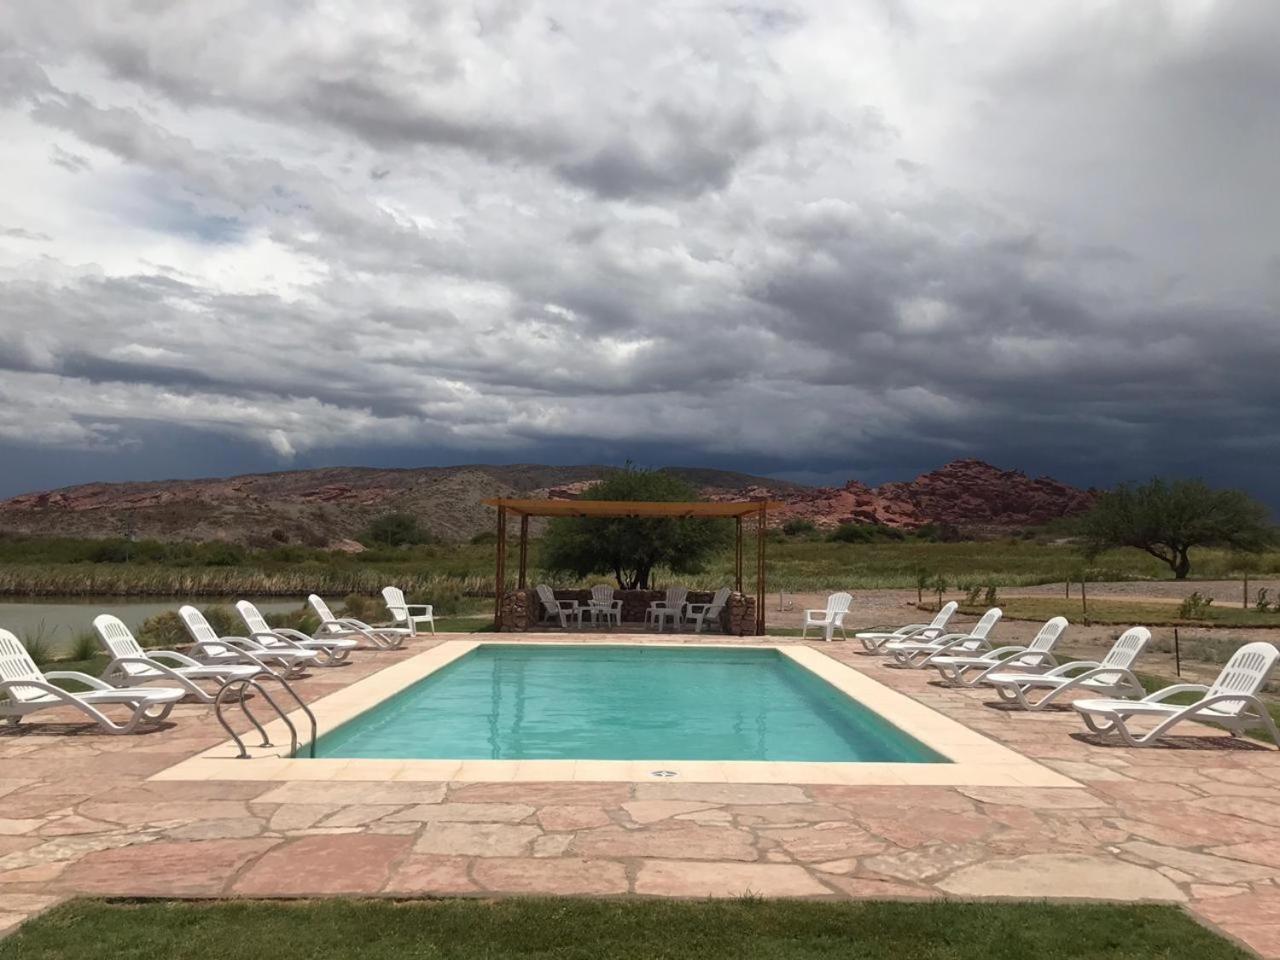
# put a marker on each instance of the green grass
(69, 568)
(575, 929)
(1125, 612)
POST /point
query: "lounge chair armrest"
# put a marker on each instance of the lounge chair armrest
(1179, 688)
(179, 658)
(1066, 668)
(999, 653)
(78, 677)
(290, 634)
(287, 641)
(425, 607)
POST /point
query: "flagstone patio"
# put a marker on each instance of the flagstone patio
(1197, 824)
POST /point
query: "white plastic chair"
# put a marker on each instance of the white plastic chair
(25, 689)
(208, 647)
(831, 618)
(1231, 701)
(402, 612)
(382, 637)
(918, 653)
(131, 664)
(700, 614)
(604, 605)
(1112, 677)
(873, 640)
(331, 651)
(559, 610)
(1035, 657)
(660, 610)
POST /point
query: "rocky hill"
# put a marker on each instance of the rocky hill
(333, 505)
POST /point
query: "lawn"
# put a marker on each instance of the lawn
(449, 572)
(572, 929)
(1126, 612)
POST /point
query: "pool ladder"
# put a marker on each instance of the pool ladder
(242, 684)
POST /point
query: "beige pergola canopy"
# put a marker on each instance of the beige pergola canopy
(737, 510)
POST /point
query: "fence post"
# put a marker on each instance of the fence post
(1177, 654)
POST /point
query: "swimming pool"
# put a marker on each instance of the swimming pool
(561, 702)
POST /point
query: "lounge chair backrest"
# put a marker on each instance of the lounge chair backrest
(1245, 672)
(396, 605)
(118, 640)
(985, 625)
(1123, 653)
(321, 608)
(252, 617)
(718, 601)
(838, 603)
(603, 593)
(1048, 635)
(676, 596)
(548, 598)
(942, 616)
(197, 625)
(16, 664)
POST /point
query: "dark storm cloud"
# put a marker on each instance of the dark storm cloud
(501, 231)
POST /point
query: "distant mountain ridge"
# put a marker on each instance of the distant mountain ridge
(333, 505)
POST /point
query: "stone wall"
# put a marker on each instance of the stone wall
(738, 618)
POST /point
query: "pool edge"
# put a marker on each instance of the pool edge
(975, 760)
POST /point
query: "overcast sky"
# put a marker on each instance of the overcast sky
(827, 239)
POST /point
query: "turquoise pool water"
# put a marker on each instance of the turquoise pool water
(525, 702)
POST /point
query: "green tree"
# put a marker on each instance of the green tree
(1166, 518)
(394, 530)
(630, 548)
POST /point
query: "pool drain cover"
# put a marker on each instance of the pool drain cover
(662, 773)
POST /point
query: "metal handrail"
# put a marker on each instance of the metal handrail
(243, 683)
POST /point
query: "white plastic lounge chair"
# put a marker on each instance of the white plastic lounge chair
(918, 653)
(208, 647)
(1232, 701)
(604, 605)
(873, 640)
(831, 618)
(700, 614)
(674, 600)
(382, 637)
(331, 650)
(1112, 677)
(558, 610)
(1035, 657)
(132, 665)
(409, 614)
(25, 689)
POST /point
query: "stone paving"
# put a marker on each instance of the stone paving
(1197, 823)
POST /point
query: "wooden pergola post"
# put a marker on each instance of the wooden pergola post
(737, 556)
(524, 548)
(761, 523)
(500, 584)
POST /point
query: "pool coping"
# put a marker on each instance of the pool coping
(975, 760)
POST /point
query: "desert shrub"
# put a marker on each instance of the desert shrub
(364, 608)
(1195, 606)
(394, 530)
(164, 630)
(301, 618)
(483, 537)
(939, 586)
(864, 533)
(225, 620)
(972, 594)
(39, 646)
(84, 646)
(222, 555)
(991, 597)
(798, 527)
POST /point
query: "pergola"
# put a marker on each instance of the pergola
(737, 510)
